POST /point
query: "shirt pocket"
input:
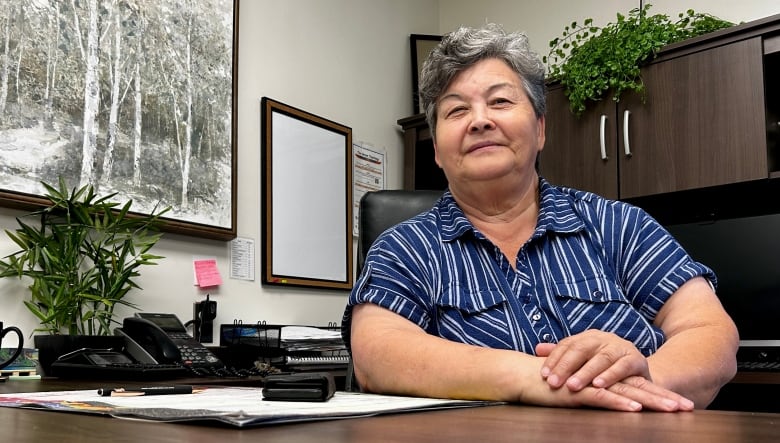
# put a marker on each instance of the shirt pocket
(470, 301)
(597, 303)
(590, 290)
(474, 316)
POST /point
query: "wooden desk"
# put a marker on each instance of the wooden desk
(494, 423)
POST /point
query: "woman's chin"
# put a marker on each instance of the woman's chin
(495, 170)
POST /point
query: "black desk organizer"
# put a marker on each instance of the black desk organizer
(243, 344)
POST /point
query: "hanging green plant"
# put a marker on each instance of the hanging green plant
(589, 60)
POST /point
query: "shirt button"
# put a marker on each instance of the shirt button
(598, 294)
(547, 338)
(536, 317)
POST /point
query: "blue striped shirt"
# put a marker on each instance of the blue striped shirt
(591, 263)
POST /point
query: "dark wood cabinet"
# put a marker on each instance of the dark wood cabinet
(701, 124)
(420, 168)
(580, 151)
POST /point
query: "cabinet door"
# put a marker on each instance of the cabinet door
(580, 152)
(703, 123)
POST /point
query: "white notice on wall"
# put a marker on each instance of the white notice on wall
(242, 259)
(368, 174)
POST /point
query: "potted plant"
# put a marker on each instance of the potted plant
(82, 254)
(590, 61)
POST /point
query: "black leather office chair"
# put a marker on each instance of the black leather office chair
(380, 210)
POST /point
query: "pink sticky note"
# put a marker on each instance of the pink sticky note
(206, 273)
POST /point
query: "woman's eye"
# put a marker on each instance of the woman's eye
(456, 110)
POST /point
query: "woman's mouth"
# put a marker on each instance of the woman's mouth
(481, 145)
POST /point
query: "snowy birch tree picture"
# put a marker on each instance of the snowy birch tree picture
(131, 96)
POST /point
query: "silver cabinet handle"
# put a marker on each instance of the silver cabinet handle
(626, 146)
(602, 130)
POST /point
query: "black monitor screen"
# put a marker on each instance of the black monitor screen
(745, 255)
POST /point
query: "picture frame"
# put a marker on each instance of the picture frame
(306, 198)
(129, 113)
(421, 47)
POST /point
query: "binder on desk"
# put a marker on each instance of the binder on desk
(337, 360)
(299, 360)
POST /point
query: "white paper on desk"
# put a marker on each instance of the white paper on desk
(241, 407)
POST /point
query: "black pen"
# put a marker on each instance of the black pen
(151, 390)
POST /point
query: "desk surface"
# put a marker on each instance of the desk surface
(494, 423)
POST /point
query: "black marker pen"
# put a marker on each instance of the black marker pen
(151, 390)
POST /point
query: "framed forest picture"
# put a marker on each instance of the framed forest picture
(132, 96)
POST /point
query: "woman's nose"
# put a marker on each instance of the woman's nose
(481, 121)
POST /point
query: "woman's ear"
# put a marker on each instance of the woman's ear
(540, 132)
(436, 154)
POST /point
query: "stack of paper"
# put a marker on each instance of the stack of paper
(307, 338)
(239, 407)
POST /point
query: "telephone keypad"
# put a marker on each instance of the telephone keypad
(196, 355)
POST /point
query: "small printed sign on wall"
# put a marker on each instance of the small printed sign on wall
(242, 259)
(368, 164)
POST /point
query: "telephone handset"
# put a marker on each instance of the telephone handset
(162, 338)
(157, 346)
(146, 342)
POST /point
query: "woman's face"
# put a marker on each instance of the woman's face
(486, 128)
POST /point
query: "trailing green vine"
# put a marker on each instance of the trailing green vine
(589, 60)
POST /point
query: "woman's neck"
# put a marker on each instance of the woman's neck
(506, 215)
(498, 201)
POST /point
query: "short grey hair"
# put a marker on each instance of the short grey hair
(464, 47)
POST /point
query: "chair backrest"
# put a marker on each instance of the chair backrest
(380, 210)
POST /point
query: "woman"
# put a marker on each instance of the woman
(513, 289)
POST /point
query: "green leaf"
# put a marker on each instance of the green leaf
(81, 257)
(591, 60)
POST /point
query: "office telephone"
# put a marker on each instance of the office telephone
(162, 338)
(156, 346)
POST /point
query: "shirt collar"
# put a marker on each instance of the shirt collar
(556, 213)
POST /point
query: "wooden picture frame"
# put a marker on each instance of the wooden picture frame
(421, 47)
(306, 199)
(133, 97)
